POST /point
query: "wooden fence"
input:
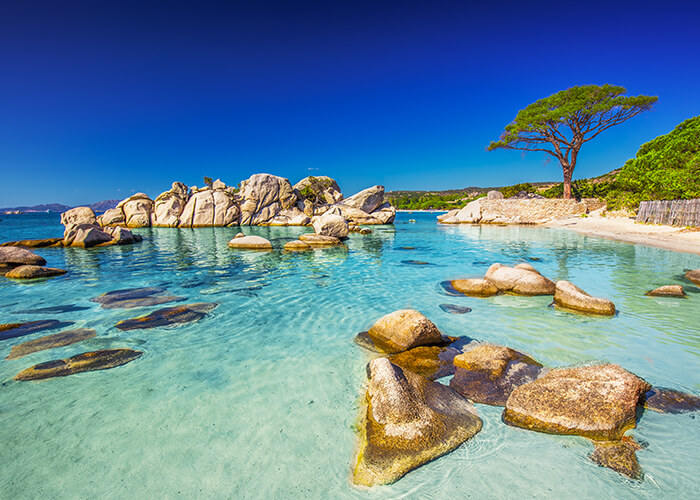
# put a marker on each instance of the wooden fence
(671, 212)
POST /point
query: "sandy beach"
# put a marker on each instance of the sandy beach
(624, 229)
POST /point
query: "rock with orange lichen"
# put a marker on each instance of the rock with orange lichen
(619, 456)
(595, 401)
(408, 421)
(85, 362)
(399, 331)
(489, 373)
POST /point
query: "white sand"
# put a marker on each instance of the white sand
(625, 229)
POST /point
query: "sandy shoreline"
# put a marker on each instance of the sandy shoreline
(623, 229)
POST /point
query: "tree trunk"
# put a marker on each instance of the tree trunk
(568, 171)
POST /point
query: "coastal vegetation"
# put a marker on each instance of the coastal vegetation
(561, 123)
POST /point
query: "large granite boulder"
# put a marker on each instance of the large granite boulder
(693, 276)
(11, 257)
(120, 235)
(569, 296)
(470, 213)
(138, 210)
(33, 272)
(264, 196)
(521, 280)
(85, 362)
(494, 195)
(402, 330)
(77, 216)
(250, 243)
(597, 401)
(112, 217)
(408, 421)
(210, 207)
(169, 205)
(330, 225)
(366, 200)
(489, 373)
(384, 213)
(85, 236)
(289, 217)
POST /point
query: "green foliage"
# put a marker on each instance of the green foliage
(509, 191)
(208, 181)
(313, 191)
(431, 201)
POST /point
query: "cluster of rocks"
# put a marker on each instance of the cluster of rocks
(102, 359)
(518, 210)
(82, 230)
(21, 263)
(523, 279)
(409, 419)
(263, 199)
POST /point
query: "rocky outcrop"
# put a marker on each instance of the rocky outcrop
(667, 291)
(489, 373)
(77, 216)
(408, 421)
(138, 210)
(264, 196)
(33, 272)
(330, 225)
(250, 243)
(693, 276)
(569, 296)
(82, 229)
(597, 401)
(214, 205)
(60, 339)
(523, 279)
(402, 330)
(85, 362)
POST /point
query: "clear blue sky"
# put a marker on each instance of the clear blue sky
(102, 98)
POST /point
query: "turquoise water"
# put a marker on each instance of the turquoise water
(259, 399)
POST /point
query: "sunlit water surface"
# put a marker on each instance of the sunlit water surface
(260, 399)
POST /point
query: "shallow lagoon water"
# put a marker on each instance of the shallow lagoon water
(260, 399)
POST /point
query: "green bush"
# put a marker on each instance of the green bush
(509, 191)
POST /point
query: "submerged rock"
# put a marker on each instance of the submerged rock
(476, 287)
(12, 330)
(455, 309)
(667, 291)
(168, 316)
(408, 422)
(693, 276)
(597, 401)
(33, 272)
(46, 242)
(152, 300)
(402, 330)
(570, 296)
(127, 294)
(489, 373)
(250, 243)
(619, 456)
(664, 400)
(85, 362)
(60, 339)
(53, 309)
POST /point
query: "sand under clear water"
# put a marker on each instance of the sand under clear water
(260, 398)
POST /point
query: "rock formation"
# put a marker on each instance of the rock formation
(402, 330)
(85, 362)
(408, 421)
(330, 225)
(82, 228)
(523, 279)
(12, 257)
(569, 296)
(667, 291)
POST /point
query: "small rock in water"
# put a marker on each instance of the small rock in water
(168, 316)
(12, 330)
(448, 289)
(250, 243)
(60, 339)
(407, 248)
(619, 456)
(667, 291)
(475, 287)
(571, 297)
(455, 309)
(403, 330)
(417, 263)
(127, 294)
(693, 276)
(663, 400)
(33, 272)
(85, 362)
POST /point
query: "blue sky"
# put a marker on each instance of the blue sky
(100, 99)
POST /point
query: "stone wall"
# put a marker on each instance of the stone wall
(520, 211)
